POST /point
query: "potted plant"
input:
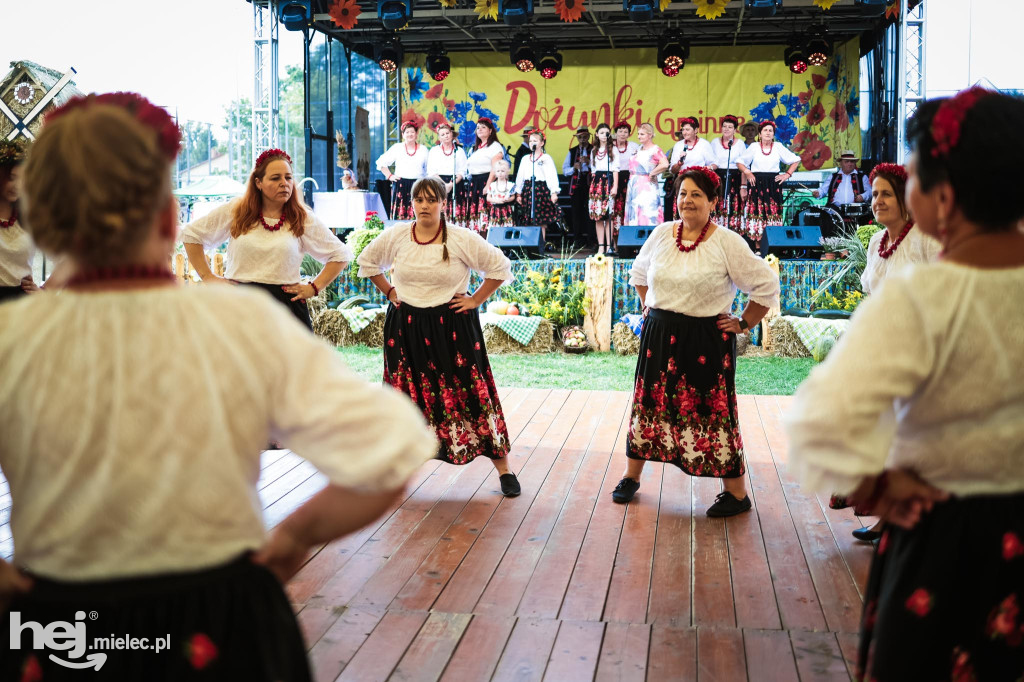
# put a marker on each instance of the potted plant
(361, 237)
(831, 246)
(551, 297)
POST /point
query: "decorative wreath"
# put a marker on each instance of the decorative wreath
(345, 13)
(24, 93)
(710, 9)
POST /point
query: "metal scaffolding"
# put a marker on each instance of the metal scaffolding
(393, 119)
(913, 90)
(265, 86)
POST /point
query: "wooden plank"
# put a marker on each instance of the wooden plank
(623, 655)
(673, 654)
(720, 655)
(856, 554)
(477, 654)
(332, 652)
(769, 656)
(712, 582)
(315, 621)
(818, 656)
(547, 586)
(293, 499)
(848, 646)
(673, 552)
(281, 466)
(426, 657)
(576, 650)
(381, 651)
(526, 653)
(284, 484)
(751, 578)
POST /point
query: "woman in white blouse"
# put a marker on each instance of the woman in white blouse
(625, 149)
(727, 152)
(16, 248)
(691, 150)
(684, 400)
(537, 186)
(268, 231)
(433, 345)
(480, 164)
(918, 412)
(762, 181)
(133, 415)
(604, 185)
(447, 161)
(409, 159)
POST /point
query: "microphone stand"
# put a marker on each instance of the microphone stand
(533, 184)
(728, 173)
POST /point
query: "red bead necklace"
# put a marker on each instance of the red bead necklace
(120, 272)
(884, 249)
(601, 154)
(416, 239)
(272, 228)
(623, 148)
(721, 141)
(13, 219)
(447, 153)
(416, 148)
(771, 146)
(679, 236)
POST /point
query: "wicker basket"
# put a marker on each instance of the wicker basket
(570, 349)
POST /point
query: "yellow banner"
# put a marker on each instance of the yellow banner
(816, 112)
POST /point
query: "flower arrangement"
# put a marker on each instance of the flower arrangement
(841, 290)
(360, 238)
(550, 297)
(710, 9)
(847, 300)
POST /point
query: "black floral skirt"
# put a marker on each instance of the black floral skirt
(232, 622)
(500, 215)
(619, 207)
(456, 212)
(475, 206)
(730, 209)
(437, 357)
(11, 293)
(944, 600)
(684, 397)
(602, 201)
(401, 199)
(300, 309)
(764, 205)
(545, 211)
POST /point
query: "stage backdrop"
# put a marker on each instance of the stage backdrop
(816, 112)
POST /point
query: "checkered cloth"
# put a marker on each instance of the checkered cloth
(634, 321)
(518, 327)
(810, 329)
(358, 320)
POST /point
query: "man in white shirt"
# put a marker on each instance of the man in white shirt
(847, 185)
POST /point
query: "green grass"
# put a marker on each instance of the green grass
(600, 371)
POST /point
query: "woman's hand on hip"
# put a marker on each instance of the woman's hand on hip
(462, 303)
(729, 323)
(282, 554)
(301, 291)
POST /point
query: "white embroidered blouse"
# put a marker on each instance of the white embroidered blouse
(916, 247)
(545, 170)
(407, 166)
(482, 160)
(723, 155)
(757, 161)
(453, 163)
(16, 253)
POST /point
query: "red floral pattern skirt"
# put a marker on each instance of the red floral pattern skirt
(684, 398)
(764, 205)
(437, 357)
(619, 207)
(730, 209)
(545, 211)
(456, 212)
(602, 201)
(401, 199)
(475, 203)
(230, 622)
(944, 600)
(500, 215)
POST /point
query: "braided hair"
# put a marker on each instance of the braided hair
(434, 188)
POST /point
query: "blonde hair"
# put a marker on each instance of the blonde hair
(502, 163)
(648, 127)
(94, 182)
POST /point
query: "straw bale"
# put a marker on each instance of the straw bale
(498, 341)
(785, 343)
(624, 340)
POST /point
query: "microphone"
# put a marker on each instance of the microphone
(730, 143)
(533, 145)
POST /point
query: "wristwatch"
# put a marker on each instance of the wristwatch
(743, 325)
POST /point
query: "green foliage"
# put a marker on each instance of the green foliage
(823, 347)
(360, 238)
(310, 267)
(841, 290)
(549, 297)
(866, 232)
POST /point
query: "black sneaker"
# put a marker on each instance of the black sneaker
(625, 490)
(866, 534)
(727, 505)
(509, 485)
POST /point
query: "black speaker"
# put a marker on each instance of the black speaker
(791, 241)
(521, 239)
(631, 238)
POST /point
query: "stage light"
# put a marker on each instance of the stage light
(639, 10)
(296, 14)
(388, 55)
(818, 47)
(515, 12)
(394, 14)
(522, 53)
(673, 52)
(550, 64)
(438, 63)
(763, 8)
(795, 59)
(872, 6)
(670, 71)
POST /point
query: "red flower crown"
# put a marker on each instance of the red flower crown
(485, 120)
(763, 124)
(408, 124)
(692, 120)
(893, 169)
(272, 152)
(623, 124)
(154, 117)
(945, 128)
(711, 175)
(729, 118)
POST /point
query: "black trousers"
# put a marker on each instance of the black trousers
(582, 228)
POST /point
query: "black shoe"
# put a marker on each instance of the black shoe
(866, 534)
(625, 490)
(509, 485)
(611, 252)
(727, 505)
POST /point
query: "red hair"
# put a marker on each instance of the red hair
(248, 211)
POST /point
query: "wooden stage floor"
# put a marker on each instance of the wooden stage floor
(460, 583)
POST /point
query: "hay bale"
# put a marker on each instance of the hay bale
(742, 343)
(371, 335)
(498, 341)
(331, 326)
(624, 340)
(785, 342)
(317, 304)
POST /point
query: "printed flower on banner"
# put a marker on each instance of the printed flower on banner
(434, 119)
(710, 9)
(663, 4)
(816, 115)
(802, 139)
(477, 96)
(785, 129)
(818, 81)
(434, 92)
(411, 116)
(569, 10)
(794, 106)
(853, 106)
(449, 104)
(816, 153)
(838, 116)
(345, 13)
(486, 9)
(825, 4)
(417, 84)
(773, 90)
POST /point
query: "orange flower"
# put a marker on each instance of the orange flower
(345, 13)
(893, 10)
(569, 10)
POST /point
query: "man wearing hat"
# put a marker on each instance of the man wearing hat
(522, 152)
(847, 185)
(577, 167)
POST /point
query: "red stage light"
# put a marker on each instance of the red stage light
(548, 72)
(670, 71)
(798, 66)
(439, 76)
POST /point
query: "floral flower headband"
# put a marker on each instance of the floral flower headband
(408, 124)
(168, 133)
(729, 118)
(692, 120)
(893, 169)
(711, 175)
(270, 153)
(623, 124)
(12, 153)
(764, 124)
(949, 119)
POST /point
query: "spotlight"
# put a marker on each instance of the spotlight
(295, 15)
(670, 71)
(763, 8)
(639, 10)
(394, 14)
(515, 12)
(522, 53)
(795, 59)
(550, 63)
(438, 63)
(818, 48)
(388, 55)
(673, 52)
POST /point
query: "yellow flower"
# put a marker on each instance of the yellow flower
(710, 9)
(825, 4)
(487, 9)
(598, 259)
(663, 4)
(448, 3)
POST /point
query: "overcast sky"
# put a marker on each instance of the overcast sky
(197, 55)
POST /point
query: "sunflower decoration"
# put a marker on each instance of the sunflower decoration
(892, 10)
(710, 9)
(345, 13)
(447, 3)
(825, 4)
(569, 10)
(487, 9)
(663, 4)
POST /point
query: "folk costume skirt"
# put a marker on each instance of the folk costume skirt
(300, 309)
(944, 599)
(230, 622)
(500, 215)
(764, 205)
(619, 207)
(401, 199)
(476, 203)
(437, 357)
(684, 396)
(730, 209)
(456, 213)
(11, 293)
(602, 201)
(544, 210)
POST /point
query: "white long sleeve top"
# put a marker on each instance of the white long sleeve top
(700, 154)
(624, 155)
(546, 172)
(916, 247)
(133, 422)
(421, 276)
(605, 164)
(263, 256)
(927, 376)
(701, 282)
(757, 161)
(441, 163)
(722, 155)
(482, 160)
(846, 193)
(407, 166)
(567, 163)
(16, 253)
